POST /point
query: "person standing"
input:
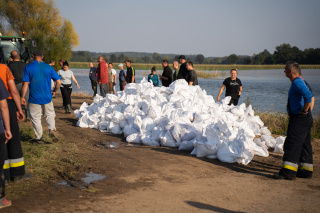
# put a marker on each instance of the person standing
(130, 75)
(17, 68)
(176, 70)
(5, 135)
(166, 76)
(52, 62)
(183, 68)
(297, 158)
(233, 87)
(153, 77)
(14, 168)
(102, 73)
(192, 77)
(37, 76)
(113, 78)
(66, 76)
(93, 78)
(122, 78)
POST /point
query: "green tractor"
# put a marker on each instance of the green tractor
(19, 44)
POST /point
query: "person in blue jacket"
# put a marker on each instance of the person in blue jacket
(153, 77)
(297, 158)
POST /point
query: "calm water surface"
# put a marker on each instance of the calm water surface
(267, 90)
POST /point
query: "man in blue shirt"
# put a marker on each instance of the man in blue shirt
(37, 76)
(297, 162)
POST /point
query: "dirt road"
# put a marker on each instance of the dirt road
(157, 179)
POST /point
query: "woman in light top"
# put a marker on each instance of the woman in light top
(153, 77)
(66, 76)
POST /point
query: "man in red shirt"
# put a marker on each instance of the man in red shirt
(102, 72)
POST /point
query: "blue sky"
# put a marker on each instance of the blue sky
(208, 27)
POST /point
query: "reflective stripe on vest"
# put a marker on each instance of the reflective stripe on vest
(11, 163)
(290, 166)
(306, 166)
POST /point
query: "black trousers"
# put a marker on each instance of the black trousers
(122, 85)
(2, 159)
(297, 158)
(234, 101)
(94, 85)
(66, 91)
(14, 162)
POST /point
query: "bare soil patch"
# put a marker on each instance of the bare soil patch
(158, 179)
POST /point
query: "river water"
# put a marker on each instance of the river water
(267, 90)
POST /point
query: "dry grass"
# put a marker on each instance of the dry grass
(201, 67)
(278, 123)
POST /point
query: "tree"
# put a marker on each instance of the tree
(232, 58)
(200, 58)
(285, 53)
(157, 58)
(113, 58)
(42, 22)
(247, 60)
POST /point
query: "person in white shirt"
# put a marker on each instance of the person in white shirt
(113, 77)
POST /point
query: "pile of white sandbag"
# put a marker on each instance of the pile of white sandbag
(181, 116)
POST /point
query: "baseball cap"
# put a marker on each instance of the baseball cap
(120, 65)
(182, 57)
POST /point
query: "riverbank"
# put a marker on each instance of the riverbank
(201, 67)
(174, 177)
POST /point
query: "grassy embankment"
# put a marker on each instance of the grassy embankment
(63, 160)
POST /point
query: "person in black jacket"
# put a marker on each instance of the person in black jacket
(166, 76)
(93, 78)
(183, 68)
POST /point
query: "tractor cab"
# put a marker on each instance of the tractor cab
(11, 43)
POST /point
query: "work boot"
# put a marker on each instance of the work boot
(66, 109)
(27, 176)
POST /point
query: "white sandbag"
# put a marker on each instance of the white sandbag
(187, 145)
(278, 148)
(226, 154)
(128, 130)
(265, 131)
(205, 149)
(133, 138)
(166, 139)
(269, 140)
(149, 142)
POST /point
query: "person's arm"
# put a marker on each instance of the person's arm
(75, 81)
(132, 79)
(312, 103)
(240, 91)
(6, 120)
(115, 79)
(190, 83)
(16, 98)
(58, 84)
(23, 92)
(220, 92)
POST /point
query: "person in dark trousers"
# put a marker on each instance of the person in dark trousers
(102, 73)
(67, 77)
(192, 77)
(14, 168)
(166, 76)
(5, 135)
(17, 68)
(176, 70)
(297, 158)
(233, 87)
(130, 75)
(122, 78)
(183, 68)
(153, 77)
(93, 78)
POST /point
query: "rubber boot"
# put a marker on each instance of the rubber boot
(66, 109)
(69, 108)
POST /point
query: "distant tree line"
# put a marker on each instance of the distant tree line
(281, 55)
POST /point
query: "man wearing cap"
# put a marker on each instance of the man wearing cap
(130, 77)
(183, 68)
(37, 76)
(166, 76)
(93, 78)
(122, 78)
